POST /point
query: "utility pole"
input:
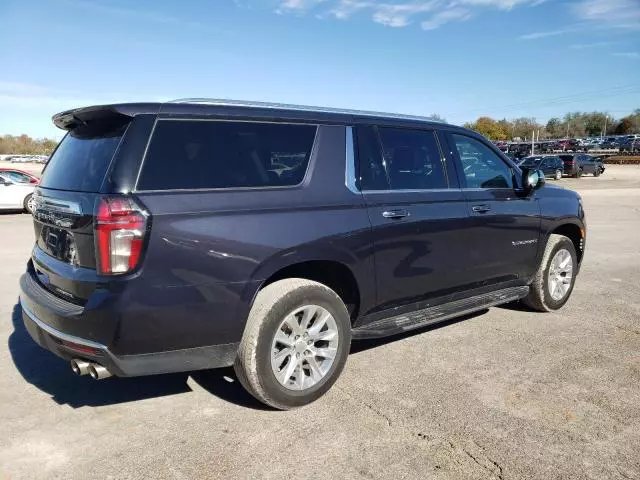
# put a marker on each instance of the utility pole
(605, 125)
(567, 128)
(533, 137)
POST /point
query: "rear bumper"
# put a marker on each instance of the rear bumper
(69, 346)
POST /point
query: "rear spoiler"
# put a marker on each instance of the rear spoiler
(115, 114)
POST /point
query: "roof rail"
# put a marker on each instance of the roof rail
(300, 108)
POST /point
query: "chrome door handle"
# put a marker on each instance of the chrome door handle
(401, 213)
(481, 208)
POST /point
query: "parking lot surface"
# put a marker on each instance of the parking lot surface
(505, 394)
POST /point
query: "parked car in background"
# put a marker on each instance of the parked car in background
(610, 143)
(571, 167)
(590, 164)
(15, 195)
(630, 145)
(577, 164)
(19, 176)
(550, 165)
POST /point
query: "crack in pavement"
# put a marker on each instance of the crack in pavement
(368, 405)
(481, 459)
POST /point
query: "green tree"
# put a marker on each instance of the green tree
(624, 126)
(555, 128)
(524, 127)
(25, 145)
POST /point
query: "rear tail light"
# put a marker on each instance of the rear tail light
(120, 227)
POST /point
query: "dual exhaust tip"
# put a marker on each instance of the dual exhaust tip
(82, 367)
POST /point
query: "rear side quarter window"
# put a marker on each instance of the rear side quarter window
(203, 154)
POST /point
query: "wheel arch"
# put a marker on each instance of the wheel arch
(352, 278)
(575, 233)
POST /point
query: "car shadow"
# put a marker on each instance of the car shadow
(516, 306)
(53, 375)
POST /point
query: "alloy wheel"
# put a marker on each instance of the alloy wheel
(560, 274)
(304, 347)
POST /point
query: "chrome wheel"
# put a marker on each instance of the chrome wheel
(304, 347)
(560, 274)
(31, 204)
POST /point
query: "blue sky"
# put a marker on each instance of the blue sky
(457, 58)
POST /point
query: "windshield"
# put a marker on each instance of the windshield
(81, 161)
(530, 162)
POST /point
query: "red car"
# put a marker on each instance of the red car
(19, 176)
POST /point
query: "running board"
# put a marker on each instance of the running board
(426, 316)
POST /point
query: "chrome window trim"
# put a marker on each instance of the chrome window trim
(350, 170)
(434, 190)
(312, 158)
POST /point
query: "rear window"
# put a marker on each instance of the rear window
(195, 154)
(81, 160)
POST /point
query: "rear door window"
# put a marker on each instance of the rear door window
(194, 154)
(82, 159)
(412, 158)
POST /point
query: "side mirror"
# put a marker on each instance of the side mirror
(532, 180)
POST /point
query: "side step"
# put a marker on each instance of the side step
(427, 316)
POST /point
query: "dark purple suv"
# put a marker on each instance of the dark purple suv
(199, 234)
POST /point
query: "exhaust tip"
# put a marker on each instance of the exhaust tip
(80, 367)
(98, 372)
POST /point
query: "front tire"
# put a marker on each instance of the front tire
(558, 175)
(556, 275)
(596, 172)
(295, 343)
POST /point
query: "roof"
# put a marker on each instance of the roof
(221, 107)
(299, 108)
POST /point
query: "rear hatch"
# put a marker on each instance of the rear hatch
(64, 258)
(568, 161)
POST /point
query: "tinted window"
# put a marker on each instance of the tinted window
(531, 162)
(372, 174)
(481, 166)
(211, 154)
(412, 159)
(81, 160)
(17, 177)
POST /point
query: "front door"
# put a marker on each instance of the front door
(417, 212)
(504, 225)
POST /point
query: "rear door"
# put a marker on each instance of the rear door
(503, 231)
(417, 212)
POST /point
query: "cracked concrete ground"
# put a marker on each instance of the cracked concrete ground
(504, 394)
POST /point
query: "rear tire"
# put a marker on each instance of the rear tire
(269, 346)
(578, 173)
(28, 203)
(542, 294)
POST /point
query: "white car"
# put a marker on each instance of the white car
(15, 196)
